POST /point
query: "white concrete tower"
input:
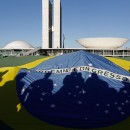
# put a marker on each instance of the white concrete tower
(46, 24)
(57, 24)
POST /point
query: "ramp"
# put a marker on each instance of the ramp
(29, 52)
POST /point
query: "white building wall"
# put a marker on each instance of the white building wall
(57, 23)
(45, 24)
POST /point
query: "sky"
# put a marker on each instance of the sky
(22, 20)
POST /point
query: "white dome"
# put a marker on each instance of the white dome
(102, 43)
(18, 45)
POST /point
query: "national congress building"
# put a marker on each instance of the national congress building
(52, 38)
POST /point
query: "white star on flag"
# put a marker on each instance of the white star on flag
(122, 113)
(86, 118)
(53, 106)
(119, 108)
(106, 111)
(108, 105)
(89, 64)
(126, 101)
(125, 92)
(82, 91)
(55, 85)
(89, 75)
(41, 99)
(80, 102)
(123, 104)
(77, 86)
(115, 103)
(97, 104)
(43, 94)
(69, 93)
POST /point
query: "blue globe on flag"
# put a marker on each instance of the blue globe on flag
(76, 90)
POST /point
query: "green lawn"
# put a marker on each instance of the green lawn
(16, 61)
(123, 58)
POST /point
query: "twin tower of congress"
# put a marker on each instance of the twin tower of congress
(51, 24)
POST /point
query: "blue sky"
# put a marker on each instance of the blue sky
(21, 20)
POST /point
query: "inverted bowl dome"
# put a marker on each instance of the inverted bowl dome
(18, 45)
(105, 43)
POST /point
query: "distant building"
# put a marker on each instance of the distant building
(16, 48)
(102, 42)
(52, 39)
(57, 24)
(50, 11)
(18, 45)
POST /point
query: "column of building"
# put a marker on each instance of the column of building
(47, 15)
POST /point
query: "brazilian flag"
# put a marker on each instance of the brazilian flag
(19, 86)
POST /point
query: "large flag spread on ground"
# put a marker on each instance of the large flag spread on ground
(78, 90)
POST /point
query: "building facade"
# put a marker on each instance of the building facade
(46, 24)
(51, 24)
(57, 24)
